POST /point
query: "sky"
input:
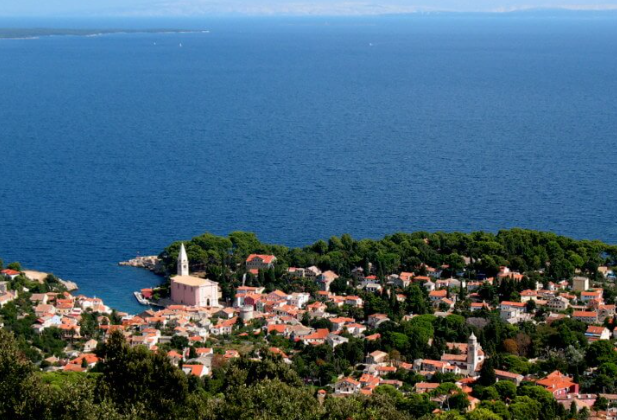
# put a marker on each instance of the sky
(175, 8)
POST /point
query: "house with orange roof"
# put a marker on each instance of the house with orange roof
(133, 322)
(251, 299)
(355, 301)
(558, 303)
(372, 286)
(204, 351)
(392, 382)
(588, 317)
(224, 327)
(89, 359)
(367, 390)
(44, 309)
(506, 273)
(298, 299)
(448, 303)
(423, 387)
(242, 290)
(347, 386)
(595, 294)
(316, 338)
(503, 375)
(385, 370)
(175, 357)
(296, 272)
(437, 295)
(377, 357)
(148, 340)
(334, 340)
(406, 278)
(7, 297)
(277, 328)
(355, 329)
(595, 333)
(513, 312)
(277, 295)
(38, 298)
(279, 352)
(580, 283)
(195, 370)
(10, 274)
(375, 320)
(325, 279)
(429, 367)
(288, 311)
(226, 313)
(260, 262)
(558, 384)
(367, 380)
(336, 300)
(339, 323)
(316, 307)
(231, 354)
(478, 306)
(298, 332)
(527, 295)
(70, 330)
(73, 368)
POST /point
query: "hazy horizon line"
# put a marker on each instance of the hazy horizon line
(319, 12)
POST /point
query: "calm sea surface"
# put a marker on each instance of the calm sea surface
(298, 130)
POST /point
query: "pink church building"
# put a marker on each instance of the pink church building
(192, 291)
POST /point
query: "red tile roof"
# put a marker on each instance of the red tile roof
(267, 259)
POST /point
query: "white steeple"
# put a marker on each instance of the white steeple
(473, 355)
(183, 262)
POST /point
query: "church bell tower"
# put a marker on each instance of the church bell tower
(473, 358)
(183, 262)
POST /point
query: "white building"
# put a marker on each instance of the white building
(475, 356)
(580, 284)
(558, 303)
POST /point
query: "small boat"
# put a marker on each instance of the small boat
(180, 45)
(141, 299)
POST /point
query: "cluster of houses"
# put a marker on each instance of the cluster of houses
(6, 295)
(197, 314)
(64, 311)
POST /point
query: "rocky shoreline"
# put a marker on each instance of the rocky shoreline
(148, 262)
(40, 277)
(71, 286)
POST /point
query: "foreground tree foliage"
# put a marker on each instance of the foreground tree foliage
(135, 384)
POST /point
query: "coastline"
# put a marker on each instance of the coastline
(35, 33)
(40, 276)
(148, 262)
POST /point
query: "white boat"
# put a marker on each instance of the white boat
(141, 299)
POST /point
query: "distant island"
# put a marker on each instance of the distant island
(414, 326)
(33, 33)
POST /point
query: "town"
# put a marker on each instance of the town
(445, 339)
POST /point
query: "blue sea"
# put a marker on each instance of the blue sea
(299, 129)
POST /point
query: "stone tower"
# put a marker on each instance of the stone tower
(183, 262)
(473, 358)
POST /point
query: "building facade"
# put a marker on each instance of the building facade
(192, 291)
